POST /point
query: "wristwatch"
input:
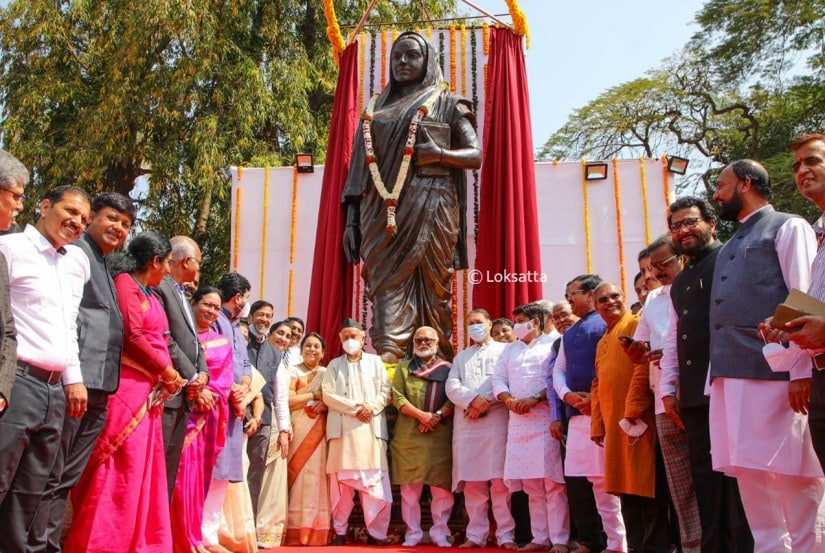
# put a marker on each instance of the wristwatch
(439, 414)
(536, 396)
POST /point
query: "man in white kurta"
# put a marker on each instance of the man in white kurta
(356, 390)
(479, 423)
(533, 457)
(755, 435)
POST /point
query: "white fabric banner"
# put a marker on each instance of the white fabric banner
(269, 220)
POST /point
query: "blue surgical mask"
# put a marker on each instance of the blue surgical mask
(478, 332)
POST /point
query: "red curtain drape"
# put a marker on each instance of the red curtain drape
(331, 289)
(508, 231)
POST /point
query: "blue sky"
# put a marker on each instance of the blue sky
(581, 48)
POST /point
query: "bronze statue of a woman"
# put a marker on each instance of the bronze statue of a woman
(405, 197)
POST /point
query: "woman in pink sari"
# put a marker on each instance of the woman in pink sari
(206, 429)
(121, 503)
(308, 515)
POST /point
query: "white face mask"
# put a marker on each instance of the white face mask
(633, 429)
(782, 359)
(521, 330)
(352, 346)
(478, 332)
(245, 311)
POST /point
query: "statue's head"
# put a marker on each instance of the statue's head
(414, 60)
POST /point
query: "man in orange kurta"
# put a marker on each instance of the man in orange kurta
(621, 391)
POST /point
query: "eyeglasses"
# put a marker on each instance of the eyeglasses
(17, 197)
(686, 223)
(196, 260)
(662, 265)
(425, 341)
(612, 297)
(569, 295)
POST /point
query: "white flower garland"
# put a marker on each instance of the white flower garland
(391, 198)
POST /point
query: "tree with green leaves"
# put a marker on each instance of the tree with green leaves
(746, 83)
(105, 95)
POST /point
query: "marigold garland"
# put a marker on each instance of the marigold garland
(586, 217)
(643, 170)
(428, 33)
(289, 293)
(485, 38)
(463, 60)
(240, 172)
(619, 237)
(336, 39)
(394, 35)
(452, 58)
(264, 229)
(454, 337)
(292, 232)
(237, 243)
(519, 20)
(391, 197)
(361, 63)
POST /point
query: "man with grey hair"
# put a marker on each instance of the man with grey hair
(186, 353)
(13, 178)
(549, 327)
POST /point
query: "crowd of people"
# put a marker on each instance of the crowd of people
(142, 412)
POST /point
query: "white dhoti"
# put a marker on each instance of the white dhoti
(374, 492)
(757, 438)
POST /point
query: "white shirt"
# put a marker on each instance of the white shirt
(45, 289)
(525, 360)
(653, 327)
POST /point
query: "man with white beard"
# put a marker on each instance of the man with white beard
(420, 447)
(480, 422)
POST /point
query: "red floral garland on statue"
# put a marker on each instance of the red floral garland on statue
(391, 198)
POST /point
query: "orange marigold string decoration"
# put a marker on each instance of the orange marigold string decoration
(237, 243)
(362, 56)
(519, 20)
(454, 337)
(264, 230)
(619, 237)
(240, 172)
(586, 218)
(334, 31)
(463, 60)
(289, 293)
(643, 170)
(294, 223)
(485, 38)
(453, 77)
(391, 198)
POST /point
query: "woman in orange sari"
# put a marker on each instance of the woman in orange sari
(308, 518)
